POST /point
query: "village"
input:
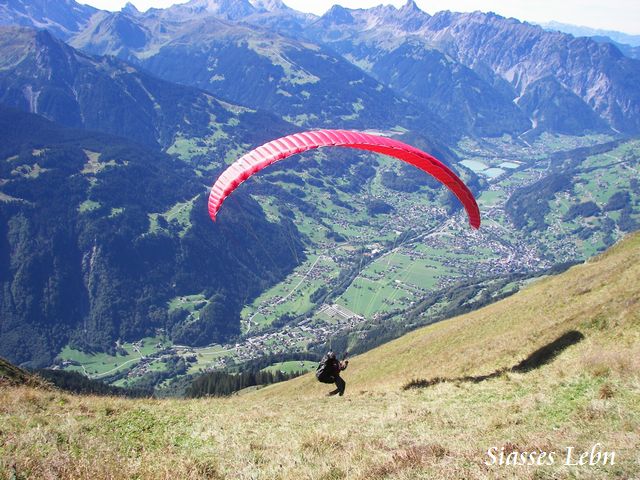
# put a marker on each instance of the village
(331, 319)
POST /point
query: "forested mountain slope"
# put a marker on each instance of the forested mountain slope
(98, 234)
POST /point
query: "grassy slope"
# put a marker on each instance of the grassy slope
(590, 393)
(12, 375)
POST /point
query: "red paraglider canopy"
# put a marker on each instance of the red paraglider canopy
(284, 147)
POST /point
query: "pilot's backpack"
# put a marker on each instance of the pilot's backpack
(323, 373)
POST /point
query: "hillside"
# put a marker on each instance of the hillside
(98, 234)
(363, 68)
(304, 83)
(63, 17)
(494, 58)
(41, 74)
(11, 375)
(586, 395)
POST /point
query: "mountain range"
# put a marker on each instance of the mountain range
(627, 44)
(483, 69)
(619, 38)
(41, 74)
(510, 56)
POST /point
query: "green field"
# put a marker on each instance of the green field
(292, 366)
(491, 197)
(393, 282)
(292, 296)
(88, 205)
(191, 303)
(100, 364)
(207, 356)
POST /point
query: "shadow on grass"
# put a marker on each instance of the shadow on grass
(537, 359)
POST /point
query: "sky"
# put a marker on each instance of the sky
(619, 15)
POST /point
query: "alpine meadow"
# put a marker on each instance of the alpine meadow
(242, 241)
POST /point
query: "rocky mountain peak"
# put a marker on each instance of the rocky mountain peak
(269, 5)
(63, 17)
(227, 9)
(410, 17)
(130, 9)
(410, 7)
(339, 15)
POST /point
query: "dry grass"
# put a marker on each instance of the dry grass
(590, 393)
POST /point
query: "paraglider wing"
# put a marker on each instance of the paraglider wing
(284, 147)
